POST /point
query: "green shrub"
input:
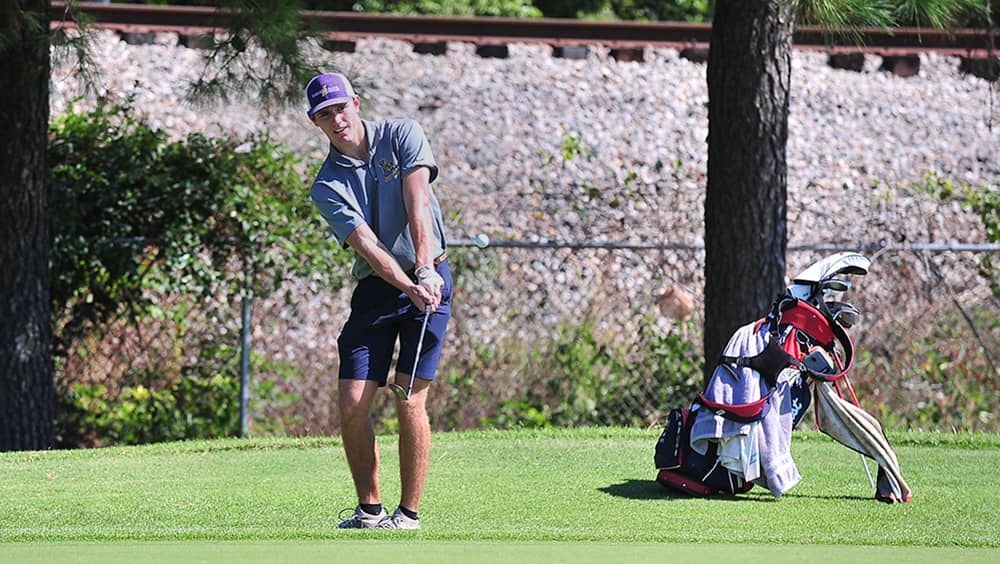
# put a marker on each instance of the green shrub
(587, 377)
(603, 383)
(133, 211)
(503, 8)
(958, 13)
(984, 201)
(195, 407)
(203, 403)
(152, 235)
(629, 10)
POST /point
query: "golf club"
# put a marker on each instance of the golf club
(402, 394)
(835, 285)
(844, 313)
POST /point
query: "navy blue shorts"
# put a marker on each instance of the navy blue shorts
(381, 314)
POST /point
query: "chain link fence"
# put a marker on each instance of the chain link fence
(549, 333)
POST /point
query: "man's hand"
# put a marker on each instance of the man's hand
(423, 298)
(431, 280)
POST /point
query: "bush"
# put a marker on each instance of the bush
(148, 408)
(589, 378)
(501, 8)
(940, 370)
(954, 13)
(504, 8)
(146, 229)
(939, 379)
(984, 201)
(133, 211)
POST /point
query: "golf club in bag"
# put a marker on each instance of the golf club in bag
(737, 432)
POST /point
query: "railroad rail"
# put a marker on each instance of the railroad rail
(350, 26)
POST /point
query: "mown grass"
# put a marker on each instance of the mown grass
(590, 485)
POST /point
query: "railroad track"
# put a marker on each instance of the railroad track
(559, 33)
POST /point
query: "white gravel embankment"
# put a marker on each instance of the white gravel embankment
(856, 142)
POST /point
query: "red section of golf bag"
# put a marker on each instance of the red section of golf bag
(804, 317)
(684, 470)
(678, 482)
(744, 413)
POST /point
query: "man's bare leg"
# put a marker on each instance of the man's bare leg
(414, 442)
(355, 402)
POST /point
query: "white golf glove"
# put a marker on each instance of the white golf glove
(430, 279)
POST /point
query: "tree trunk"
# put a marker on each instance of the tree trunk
(26, 385)
(749, 70)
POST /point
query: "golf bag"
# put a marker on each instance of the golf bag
(737, 432)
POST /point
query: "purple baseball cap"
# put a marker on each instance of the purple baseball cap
(328, 89)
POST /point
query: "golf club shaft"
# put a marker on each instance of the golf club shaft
(867, 471)
(416, 358)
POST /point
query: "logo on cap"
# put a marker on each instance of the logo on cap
(328, 89)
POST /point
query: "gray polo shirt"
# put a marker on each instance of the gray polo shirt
(349, 192)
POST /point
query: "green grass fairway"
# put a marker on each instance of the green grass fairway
(583, 495)
(478, 552)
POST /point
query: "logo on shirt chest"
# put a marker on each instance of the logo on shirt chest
(390, 170)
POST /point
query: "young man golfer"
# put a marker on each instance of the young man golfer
(374, 191)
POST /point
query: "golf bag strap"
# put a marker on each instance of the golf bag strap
(768, 362)
(741, 413)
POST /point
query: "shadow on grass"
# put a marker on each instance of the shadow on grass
(637, 489)
(651, 489)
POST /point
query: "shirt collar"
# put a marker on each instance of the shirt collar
(340, 159)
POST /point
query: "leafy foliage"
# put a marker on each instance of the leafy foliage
(133, 211)
(637, 10)
(236, 61)
(503, 8)
(982, 200)
(202, 404)
(938, 380)
(144, 229)
(590, 379)
(192, 408)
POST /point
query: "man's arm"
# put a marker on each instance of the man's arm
(366, 244)
(417, 199)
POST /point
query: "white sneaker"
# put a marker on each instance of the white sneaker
(362, 520)
(398, 520)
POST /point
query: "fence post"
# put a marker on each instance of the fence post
(245, 363)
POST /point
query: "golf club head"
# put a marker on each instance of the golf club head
(844, 313)
(400, 392)
(835, 285)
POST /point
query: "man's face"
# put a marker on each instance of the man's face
(340, 122)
